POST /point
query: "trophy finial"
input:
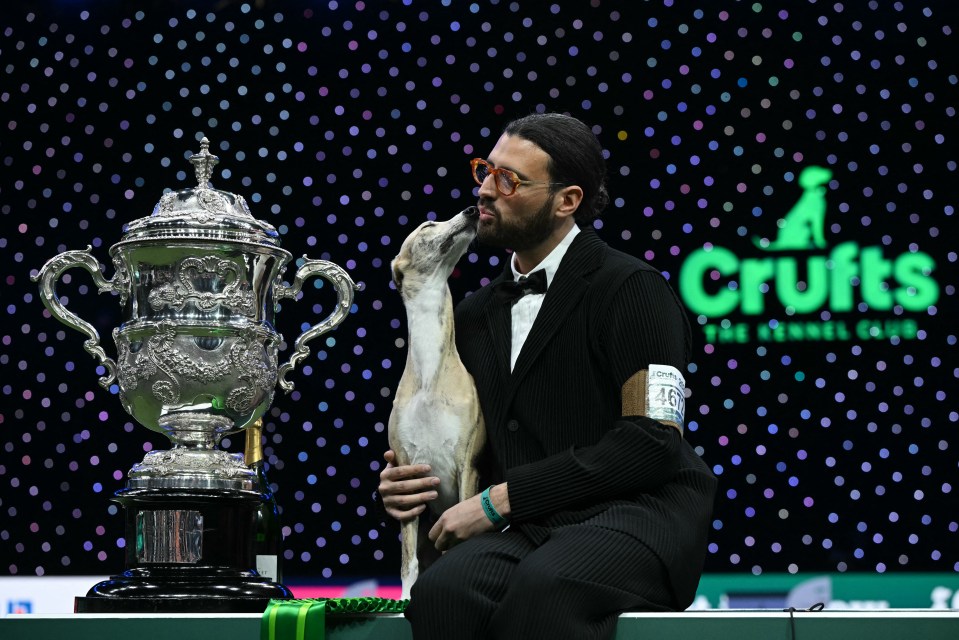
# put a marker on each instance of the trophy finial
(203, 164)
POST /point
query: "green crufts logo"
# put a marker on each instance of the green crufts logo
(804, 278)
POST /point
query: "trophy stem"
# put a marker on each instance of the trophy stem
(194, 462)
(197, 431)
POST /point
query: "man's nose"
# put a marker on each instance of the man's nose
(488, 188)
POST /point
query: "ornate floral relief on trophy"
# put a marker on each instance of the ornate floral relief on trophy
(198, 282)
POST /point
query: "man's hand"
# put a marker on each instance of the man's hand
(467, 519)
(406, 490)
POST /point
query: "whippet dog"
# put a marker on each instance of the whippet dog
(436, 417)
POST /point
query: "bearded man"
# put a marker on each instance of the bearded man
(596, 503)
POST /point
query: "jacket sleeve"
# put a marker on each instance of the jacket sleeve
(644, 324)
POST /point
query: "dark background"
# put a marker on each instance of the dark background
(345, 124)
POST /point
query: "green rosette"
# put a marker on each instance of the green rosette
(305, 619)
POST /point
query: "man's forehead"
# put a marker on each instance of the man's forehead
(518, 154)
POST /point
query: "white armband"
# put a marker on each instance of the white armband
(658, 393)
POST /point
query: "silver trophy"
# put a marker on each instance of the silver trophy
(199, 282)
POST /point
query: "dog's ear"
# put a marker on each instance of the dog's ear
(397, 275)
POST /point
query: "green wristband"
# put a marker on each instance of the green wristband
(498, 521)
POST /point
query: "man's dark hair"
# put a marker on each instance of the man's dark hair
(575, 156)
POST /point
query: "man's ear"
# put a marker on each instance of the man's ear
(569, 200)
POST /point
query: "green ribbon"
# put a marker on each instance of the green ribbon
(305, 619)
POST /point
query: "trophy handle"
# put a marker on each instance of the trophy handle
(48, 277)
(344, 286)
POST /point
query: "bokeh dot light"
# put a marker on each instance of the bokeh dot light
(345, 124)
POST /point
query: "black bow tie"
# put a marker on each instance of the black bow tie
(509, 291)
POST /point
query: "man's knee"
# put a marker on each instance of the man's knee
(542, 603)
(430, 582)
(448, 579)
(450, 600)
(536, 585)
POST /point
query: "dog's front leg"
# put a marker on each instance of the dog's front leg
(409, 567)
(468, 474)
(469, 482)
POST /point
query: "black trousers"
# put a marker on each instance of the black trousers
(503, 586)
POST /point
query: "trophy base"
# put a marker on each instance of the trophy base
(188, 551)
(202, 592)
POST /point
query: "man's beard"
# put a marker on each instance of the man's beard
(517, 234)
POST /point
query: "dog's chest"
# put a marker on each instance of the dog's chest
(429, 426)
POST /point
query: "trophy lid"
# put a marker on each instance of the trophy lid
(202, 212)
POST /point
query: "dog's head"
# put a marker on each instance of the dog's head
(432, 250)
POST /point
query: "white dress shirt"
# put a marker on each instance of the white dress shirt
(526, 308)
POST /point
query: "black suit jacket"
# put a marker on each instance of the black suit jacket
(555, 427)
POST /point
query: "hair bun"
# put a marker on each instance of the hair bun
(600, 200)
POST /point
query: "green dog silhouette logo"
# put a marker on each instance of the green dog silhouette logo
(802, 227)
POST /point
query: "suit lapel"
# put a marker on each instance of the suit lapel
(499, 325)
(569, 285)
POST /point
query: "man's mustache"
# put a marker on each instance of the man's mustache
(487, 204)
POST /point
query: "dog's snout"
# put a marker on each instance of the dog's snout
(471, 212)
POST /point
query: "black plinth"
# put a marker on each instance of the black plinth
(202, 566)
